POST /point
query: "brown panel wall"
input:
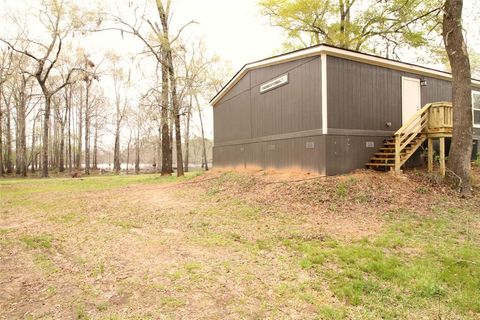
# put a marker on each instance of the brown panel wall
(242, 86)
(347, 153)
(244, 113)
(366, 97)
(291, 108)
(232, 119)
(361, 96)
(306, 154)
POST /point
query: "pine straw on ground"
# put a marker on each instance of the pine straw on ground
(351, 206)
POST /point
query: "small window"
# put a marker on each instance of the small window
(476, 108)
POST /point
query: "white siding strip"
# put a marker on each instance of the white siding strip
(324, 94)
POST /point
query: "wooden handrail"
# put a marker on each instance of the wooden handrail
(419, 123)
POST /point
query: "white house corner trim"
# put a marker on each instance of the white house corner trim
(324, 94)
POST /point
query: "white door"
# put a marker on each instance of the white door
(411, 98)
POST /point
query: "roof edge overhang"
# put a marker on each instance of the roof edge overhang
(335, 52)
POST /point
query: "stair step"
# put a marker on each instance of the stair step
(382, 159)
(381, 164)
(414, 141)
(385, 154)
(393, 148)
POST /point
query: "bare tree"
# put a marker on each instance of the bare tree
(44, 62)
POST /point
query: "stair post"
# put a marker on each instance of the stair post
(397, 154)
(442, 157)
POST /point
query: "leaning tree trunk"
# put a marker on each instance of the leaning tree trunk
(459, 159)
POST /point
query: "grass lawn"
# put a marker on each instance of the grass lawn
(238, 245)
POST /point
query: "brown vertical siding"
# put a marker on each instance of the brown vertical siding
(347, 153)
(291, 108)
(232, 119)
(435, 90)
(245, 114)
(366, 97)
(305, 154)
(282, 128)
(242, 86)
(361, 96)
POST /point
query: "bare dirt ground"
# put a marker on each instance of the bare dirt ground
(207, 248)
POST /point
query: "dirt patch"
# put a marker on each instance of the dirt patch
(353, 205)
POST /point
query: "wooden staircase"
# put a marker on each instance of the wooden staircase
(434, 120)
(384, 159)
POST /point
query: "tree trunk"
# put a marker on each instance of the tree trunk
(459, 159)
(32, 155)
(203, 134)
(87, 129)
(61, 161)
(128, 149)
(166, 149)
(1, 135)
(70, 164)
(187, 135)
(45, 139)
(137, 151)
(78, 159)
(175, 111)
(8, 137)
(21, 133)
(116, 151)
(95, 147)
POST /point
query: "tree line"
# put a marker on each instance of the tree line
(55, 113)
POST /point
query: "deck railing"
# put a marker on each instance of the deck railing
(434, 119)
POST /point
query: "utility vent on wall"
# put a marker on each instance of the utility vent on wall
(275, 83)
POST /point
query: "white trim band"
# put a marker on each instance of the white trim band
(324, 94)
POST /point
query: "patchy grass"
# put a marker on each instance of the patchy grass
(43, 241)
(237, 245)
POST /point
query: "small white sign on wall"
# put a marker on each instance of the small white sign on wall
(310, 145)
(370, 144)
(275, 83)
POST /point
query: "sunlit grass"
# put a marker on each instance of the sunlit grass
(417, 263)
